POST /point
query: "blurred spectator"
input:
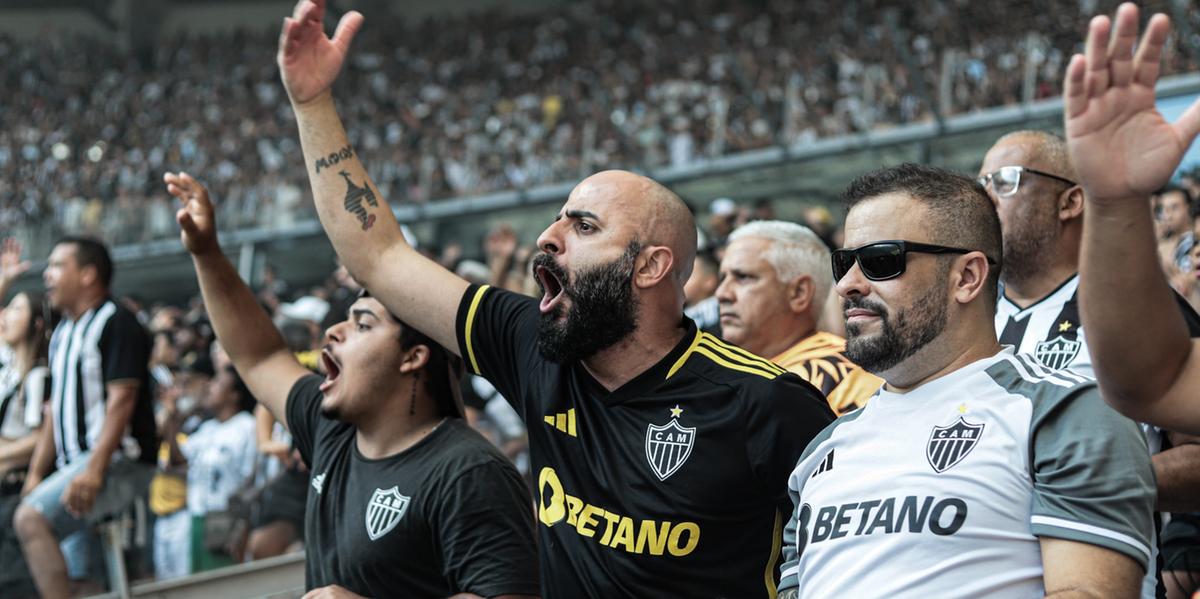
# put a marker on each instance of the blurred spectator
(220, 458)
(103, 433)
(469, 104)
(1175, 215)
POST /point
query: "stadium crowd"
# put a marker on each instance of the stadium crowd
(457, 106)
(184, 407)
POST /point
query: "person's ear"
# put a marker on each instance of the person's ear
(415, 358)
(654, 264)
(800, 293)
(969, 276)
(1070, 203)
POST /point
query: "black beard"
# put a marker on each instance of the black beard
(899, 337)
(603, 309)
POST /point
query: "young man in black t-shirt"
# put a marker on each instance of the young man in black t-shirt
(661, 455)
(406, 500)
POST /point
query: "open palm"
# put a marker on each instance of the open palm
(1120, 144)
(309, 61)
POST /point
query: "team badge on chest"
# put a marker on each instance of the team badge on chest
(384, 511)
(948, 445)
(669, 445)
(1057, 353)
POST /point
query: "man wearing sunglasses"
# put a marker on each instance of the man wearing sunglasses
(1041, 218)
(971, 469)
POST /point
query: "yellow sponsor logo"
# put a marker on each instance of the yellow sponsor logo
(557, 507)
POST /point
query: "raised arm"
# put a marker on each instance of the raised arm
(244, 329)
(11, 264)
(355, 215)
(1124, 150)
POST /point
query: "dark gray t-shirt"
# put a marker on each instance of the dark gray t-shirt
(448, 515)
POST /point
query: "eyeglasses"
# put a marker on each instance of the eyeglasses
(1007, 179)
(885, 260)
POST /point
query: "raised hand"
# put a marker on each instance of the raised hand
(195, 218)
(1120, 144)
(11, 264)
(309, 61)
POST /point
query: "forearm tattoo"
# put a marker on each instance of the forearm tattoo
(345, 153)
(355, 195)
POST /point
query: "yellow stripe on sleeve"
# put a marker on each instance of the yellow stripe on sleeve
(742, 355)
(470, 341)
(683, 359)
(773, 560)
(706, 352)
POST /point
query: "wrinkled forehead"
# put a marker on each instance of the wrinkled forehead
(610, 204)
(888, 216)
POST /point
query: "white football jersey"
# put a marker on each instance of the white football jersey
(221, 458)
(944, 490)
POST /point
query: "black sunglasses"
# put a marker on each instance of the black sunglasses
(885, 260)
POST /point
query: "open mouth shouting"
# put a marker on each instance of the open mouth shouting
(333, 369)
(550, 278)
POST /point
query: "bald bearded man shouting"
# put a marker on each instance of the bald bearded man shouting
(661, 452)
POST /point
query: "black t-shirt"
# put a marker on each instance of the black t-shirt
(448, 515)
(674, 484)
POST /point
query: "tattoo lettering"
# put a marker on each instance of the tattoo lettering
(343, 154)
(354, 201)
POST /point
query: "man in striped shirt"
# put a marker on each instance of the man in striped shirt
(101, 439)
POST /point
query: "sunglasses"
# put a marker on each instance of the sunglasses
(1007, 179)
(885, 260)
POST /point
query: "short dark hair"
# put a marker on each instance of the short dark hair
(441, 361)
(90, 251)
(961, 212)
(1185, 192)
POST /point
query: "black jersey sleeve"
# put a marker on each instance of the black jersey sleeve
(486, 532)
(497, 338)
(303, 414)
(783, 415)
(125, 349)
(1189, 315)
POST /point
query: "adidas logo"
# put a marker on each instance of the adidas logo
(563, 422)
(826, 464)
(318, 482)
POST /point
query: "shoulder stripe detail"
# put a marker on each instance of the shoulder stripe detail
(1040, 371)
(773, 560)
(1022, 371)
(738, 359)
(1093, 530)
(1047, 372)
(687, 354)
(740, 354)
(789, 572)
(704, 351)
(470, 341)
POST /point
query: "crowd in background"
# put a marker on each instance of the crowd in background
(462, 105)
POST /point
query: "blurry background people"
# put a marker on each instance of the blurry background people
(101, 437)
(220, 457)
(775, 281)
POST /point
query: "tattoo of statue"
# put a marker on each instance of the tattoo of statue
(355, 195)
(328, 161)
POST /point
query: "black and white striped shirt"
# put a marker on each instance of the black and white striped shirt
(106, 344)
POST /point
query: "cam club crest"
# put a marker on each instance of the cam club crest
(1057, 353)
(384, 511)
(669, 445)
(948, 445)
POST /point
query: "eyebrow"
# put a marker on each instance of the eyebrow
(362, 312)
(581, 214)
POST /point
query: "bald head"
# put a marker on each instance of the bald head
(1043, 151)
(654, 214)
